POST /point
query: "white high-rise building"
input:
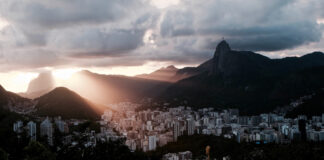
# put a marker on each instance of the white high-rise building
(190, 126)
(61, 125)
(31, 130)
(176, 131)
(46, 129)
(17, 127)
(152, 143)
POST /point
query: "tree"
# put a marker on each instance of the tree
(3, 155)
(37, 151)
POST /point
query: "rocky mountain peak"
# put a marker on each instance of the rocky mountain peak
(222, 48)
(171, 67)
(220, 57)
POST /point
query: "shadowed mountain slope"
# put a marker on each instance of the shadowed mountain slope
(249, 81)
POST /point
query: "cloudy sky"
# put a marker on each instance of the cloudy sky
(138, 36)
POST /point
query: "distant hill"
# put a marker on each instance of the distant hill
(249, 81)
(67, 104)
(172, 74)
(106, 89)
(164, 74)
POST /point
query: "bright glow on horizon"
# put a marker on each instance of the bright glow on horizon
(3, 23)
(320, 21)
(16, 81)
(164, 3)
(64, 74)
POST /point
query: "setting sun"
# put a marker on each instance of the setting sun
(16, 81)
(64, 74)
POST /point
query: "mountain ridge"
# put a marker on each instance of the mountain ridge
(247, 80)
(65, 103)
(167, 74)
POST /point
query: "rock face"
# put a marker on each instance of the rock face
(40, 85)
(228, 63)
(220, 58)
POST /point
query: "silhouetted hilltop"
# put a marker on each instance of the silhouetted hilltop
(67, 104)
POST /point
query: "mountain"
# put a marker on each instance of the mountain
(163, 74)
(172, 74)
(39, 86)
(247, 80)
(67, 104)
(106, 89)
(12, 101)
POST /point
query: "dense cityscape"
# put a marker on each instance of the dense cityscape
(148, 129)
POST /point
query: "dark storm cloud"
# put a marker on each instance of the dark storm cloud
(94, 42)
(35, 18)
(30, 58)
(103, 33)
(258, 26)
(272, 38)
(177, 23)
(62, 13)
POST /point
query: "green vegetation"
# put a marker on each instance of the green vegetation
(8, 139)
(112, 150)
(221, 147)
(37, 151)
(3, 155)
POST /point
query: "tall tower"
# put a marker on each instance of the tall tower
(46, 129)
(176, 131)
(190, 126)
(31, 128)
(152, 142)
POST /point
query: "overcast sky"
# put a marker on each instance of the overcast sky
(116, 35)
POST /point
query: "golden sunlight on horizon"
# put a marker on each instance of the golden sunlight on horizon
(64, 74)
(164, 3)
(18, 81)
(3, 23)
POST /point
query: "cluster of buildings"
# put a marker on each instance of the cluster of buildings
(69, 135)
(46, 128)
(18, 127)
(148, 129)
(178, 156)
